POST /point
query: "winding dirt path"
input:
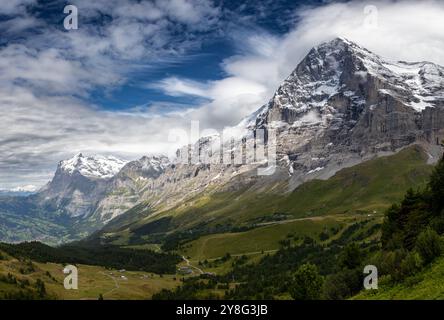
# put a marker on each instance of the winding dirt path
(191, 266)
(115, 283)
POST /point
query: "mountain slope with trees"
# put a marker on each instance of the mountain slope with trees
(408, 257)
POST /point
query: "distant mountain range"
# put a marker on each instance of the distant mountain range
(22, 191)
(9, 193)
(341, 106)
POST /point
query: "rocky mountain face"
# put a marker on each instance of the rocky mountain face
(78, 184)
(161, 183)
(342, 105)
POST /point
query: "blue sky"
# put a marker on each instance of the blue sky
(135, 70)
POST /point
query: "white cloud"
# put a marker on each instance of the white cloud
(195, 13)
(14, 7)
(176, 87)
(232, 99)
(406, 30)
(46, 71)
(25, 188)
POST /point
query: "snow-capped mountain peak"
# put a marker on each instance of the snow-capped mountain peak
(96, 166)
(153, 163)
(339, 69)
(145, 167)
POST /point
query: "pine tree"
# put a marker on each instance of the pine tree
(351, 256)
(41, 289)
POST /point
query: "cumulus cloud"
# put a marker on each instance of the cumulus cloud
(399, 30)
(45, 79)
(230, 99)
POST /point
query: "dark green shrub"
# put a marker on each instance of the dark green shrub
(411, 264)
(429, 245)
(342, 285)
(351, 256)
(307, 283)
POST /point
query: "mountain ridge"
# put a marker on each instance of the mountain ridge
(95, 166)
(341, 106)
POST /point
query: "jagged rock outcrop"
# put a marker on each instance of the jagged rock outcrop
(79, 184)
(344, 104)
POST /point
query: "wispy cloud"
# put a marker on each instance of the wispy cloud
(182, 87)
(16, 7)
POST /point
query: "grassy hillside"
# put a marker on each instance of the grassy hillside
(372, 185)
(268, 238)
(109, 256)
(366, 188)
(426, 285)
(19, 278)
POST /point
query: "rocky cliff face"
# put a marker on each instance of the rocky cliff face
(79, 184)
(342, 105)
